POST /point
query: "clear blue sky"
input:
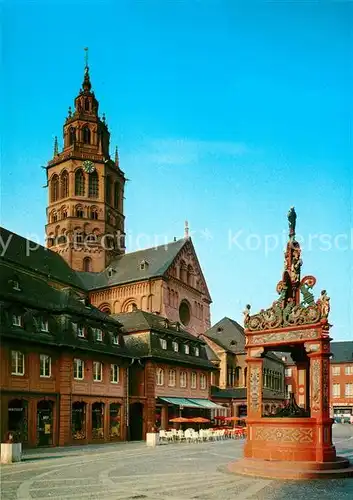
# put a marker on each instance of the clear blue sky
(226, 113)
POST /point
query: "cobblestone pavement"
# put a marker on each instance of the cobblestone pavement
(127, 471)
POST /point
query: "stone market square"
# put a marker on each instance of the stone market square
(127, 471)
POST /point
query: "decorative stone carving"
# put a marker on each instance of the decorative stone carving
(315, 375)
(254, 388)
(284, 434)
(312, 348)
(268, 338)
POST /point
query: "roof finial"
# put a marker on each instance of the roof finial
(56, 147)
(186, 230)
(86, 58)
(116, 156)
(86, 81)
(292, 217)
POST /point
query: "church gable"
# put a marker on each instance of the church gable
(186, 268)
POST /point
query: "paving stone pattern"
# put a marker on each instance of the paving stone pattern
(129, 471)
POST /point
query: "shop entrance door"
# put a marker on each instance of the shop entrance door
(45, 423)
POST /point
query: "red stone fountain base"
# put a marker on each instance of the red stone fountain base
(291, 448)
(274, 469)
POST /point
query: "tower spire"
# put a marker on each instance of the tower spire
(86, 85)
(116, 156)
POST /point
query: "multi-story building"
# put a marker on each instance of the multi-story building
(71, 374)
(341, 390)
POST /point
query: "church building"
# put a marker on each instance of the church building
(85, 225)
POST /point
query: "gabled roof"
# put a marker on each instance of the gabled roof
(342, 352)
(29, 255)
(138, 321)
(228, 334)
(139, 327)
(126, 268)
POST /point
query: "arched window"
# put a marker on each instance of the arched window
(86, 104)
(79, 211)
(54, 216)
(108, 190)
(116, 194)
(93, 213)
(64, 181)
(64, 212)
(183, 271)
(86, 135)
(93, 185)
(172, 377)
(183, 379)
(55, 188)
(160, 376)
(72, 135)
(79, 183)
(87, 264)
(245, 376)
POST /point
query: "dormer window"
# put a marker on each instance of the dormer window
(116, 339)
(44, 325)
(143, 265)
(187, 349)
(175, 346)
(98, 334)
(197, 351)
(111, 271)
(163, 343)
(80, 330)
(16, 320)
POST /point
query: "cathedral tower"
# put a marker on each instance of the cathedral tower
(85, 219)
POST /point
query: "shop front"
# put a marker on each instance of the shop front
(169, 408)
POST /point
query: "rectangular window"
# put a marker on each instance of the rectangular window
(336, 370)
(115, 339)
(17, 363)
(336, 390)
(183, 379)
(45, 365)
(97, 371)
(187, 348)
(44, 326)
(17, 320)
(114, 374)
(163, 343)
(193, 380)
(288, 372)
(175, 346)
(80, 331)
(348, 370)
(79, 366)
(203, 383)
(348, 390)
(197, 351)
(98, 334)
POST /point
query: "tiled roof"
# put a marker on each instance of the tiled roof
(145, 344)
(126, 268)
(29, 255)
(228, 334)
(342, 352)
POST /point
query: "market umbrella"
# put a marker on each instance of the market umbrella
(220, 417)
(199, 420)
(180, 420)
